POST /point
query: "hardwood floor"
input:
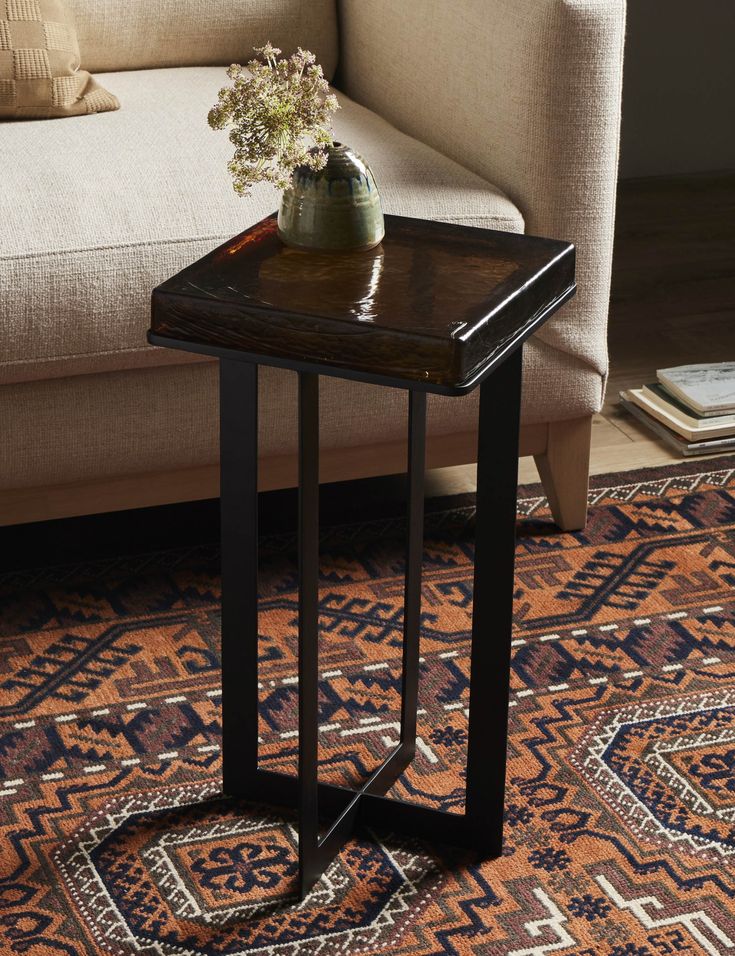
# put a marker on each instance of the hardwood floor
(672, 303)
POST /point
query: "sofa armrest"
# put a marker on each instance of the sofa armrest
(526, 93)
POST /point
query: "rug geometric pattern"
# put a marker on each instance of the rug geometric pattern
(620, 803)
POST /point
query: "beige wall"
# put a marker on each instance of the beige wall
(679, 87)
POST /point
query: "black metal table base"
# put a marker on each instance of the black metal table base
(481, 825)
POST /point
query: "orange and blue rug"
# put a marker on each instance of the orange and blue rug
(620, 807)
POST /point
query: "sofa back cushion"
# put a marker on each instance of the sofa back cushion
(145, 34)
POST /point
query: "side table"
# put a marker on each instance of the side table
(436, 308)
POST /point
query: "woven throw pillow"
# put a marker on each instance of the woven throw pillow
(39, 64)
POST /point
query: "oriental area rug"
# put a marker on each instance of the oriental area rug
(620, 804)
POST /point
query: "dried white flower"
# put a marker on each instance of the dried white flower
(279, 114)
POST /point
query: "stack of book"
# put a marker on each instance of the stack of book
(692, 407)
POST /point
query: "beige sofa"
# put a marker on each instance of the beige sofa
(494, 113)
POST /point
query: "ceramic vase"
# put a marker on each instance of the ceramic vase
(334, 209)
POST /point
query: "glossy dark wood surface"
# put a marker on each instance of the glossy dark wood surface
(435, 304)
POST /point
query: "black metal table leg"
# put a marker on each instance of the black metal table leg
(414, 553)
(481, 826)
(316, 853)
(492, 615)
(239, 540)
(308, 544)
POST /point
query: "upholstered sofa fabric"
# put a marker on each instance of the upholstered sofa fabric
(76, 274)
(143, 34)
(39, 64)
(526, 93)
(486, 112)
(160, 419)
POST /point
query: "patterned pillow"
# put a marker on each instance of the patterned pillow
(39, 64)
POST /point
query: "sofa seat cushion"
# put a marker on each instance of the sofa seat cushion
(98, 210)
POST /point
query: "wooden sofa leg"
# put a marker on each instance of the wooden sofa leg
(564, 469)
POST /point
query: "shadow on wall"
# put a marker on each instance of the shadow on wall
(679, 87)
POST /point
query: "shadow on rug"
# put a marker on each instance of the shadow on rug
(620, 822)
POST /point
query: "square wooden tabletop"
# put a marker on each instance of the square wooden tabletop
(435, 306)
